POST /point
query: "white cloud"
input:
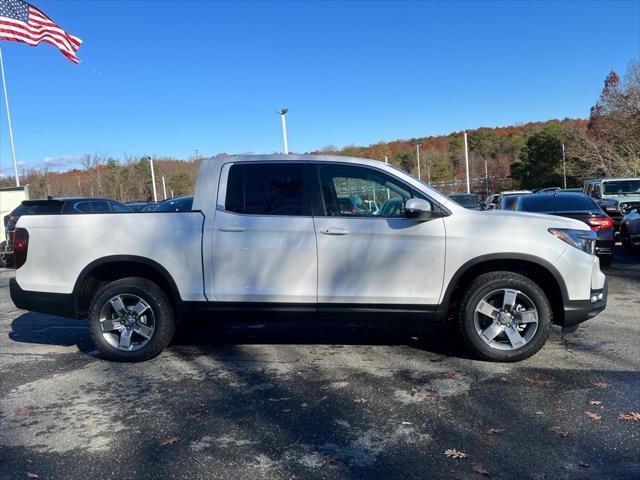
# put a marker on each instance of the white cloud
(60, 162)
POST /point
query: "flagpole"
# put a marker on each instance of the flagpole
(6, 102)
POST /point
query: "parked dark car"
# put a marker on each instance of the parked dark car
(630, 230)
(141, 206)
(467, 200)
(508, 199)
(578, 206)
(180, 204)
(55, 206)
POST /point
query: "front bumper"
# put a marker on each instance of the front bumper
(60, 304)
(578, 311)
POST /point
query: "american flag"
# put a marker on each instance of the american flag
(21, 22)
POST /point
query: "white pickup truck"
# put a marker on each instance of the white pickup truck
(269, 234)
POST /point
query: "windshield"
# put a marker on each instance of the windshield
(618, 187)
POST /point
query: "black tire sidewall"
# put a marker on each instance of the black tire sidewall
(488, 283)
(163, 315)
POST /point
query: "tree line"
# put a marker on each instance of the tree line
(520, 156)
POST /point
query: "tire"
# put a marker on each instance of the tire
(136, 327)
(517, 335)
(625, 239)
(3, 262)
(606, 260)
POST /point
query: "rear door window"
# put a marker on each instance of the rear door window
(267, 189)
(120, 208)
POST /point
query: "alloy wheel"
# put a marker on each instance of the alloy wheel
(127, 322)
(506, 319)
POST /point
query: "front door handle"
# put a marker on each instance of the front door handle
(231, 229)
(335, 231)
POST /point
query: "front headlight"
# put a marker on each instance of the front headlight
(584, 240)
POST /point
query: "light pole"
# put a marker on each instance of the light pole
(466, 161)
(564, 168)
(153, 181)
(418, 145)
(283, 116)
(164, 188)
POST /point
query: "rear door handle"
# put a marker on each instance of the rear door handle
(231, 229)
(335, 231)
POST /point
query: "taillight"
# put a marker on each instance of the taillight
(20, 246)
(600, 223)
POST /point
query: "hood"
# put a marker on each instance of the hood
(527, 218)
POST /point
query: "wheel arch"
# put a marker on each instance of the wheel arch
(535, 268)
(110, 268)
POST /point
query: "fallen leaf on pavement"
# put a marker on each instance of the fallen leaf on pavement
(453, 453)
(299, 359)
(495, 430)
(22, 410)
(600, 384)
(592, 415)
(449, 375)
(635, 416)
(595, 402)
(584, 464)
(194, 416)
(539, 381)
(539, 412)
(32, 475)
(330, 460)
(360, 400)
(558, 430)
(169, 441)
(478, 468)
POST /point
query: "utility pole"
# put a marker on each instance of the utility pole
(164, 188)
(153, 181)
(386, 160)
(418, 158)
(466, 161)
(283, 116)
(564, 168)
(429, 172)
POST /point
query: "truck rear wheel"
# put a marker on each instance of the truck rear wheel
(131, 320)
(504, 316)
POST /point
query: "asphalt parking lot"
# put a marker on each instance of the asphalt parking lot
(322, 401)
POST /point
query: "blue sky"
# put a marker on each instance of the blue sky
(163, 78)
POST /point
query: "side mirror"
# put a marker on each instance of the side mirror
(419, 210)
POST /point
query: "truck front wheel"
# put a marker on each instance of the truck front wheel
(505, 316)
(131, 320)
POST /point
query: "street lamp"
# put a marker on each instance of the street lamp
(283, 114)
(418, 145)
(564, 169)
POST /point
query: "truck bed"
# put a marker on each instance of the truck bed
(67, 244)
